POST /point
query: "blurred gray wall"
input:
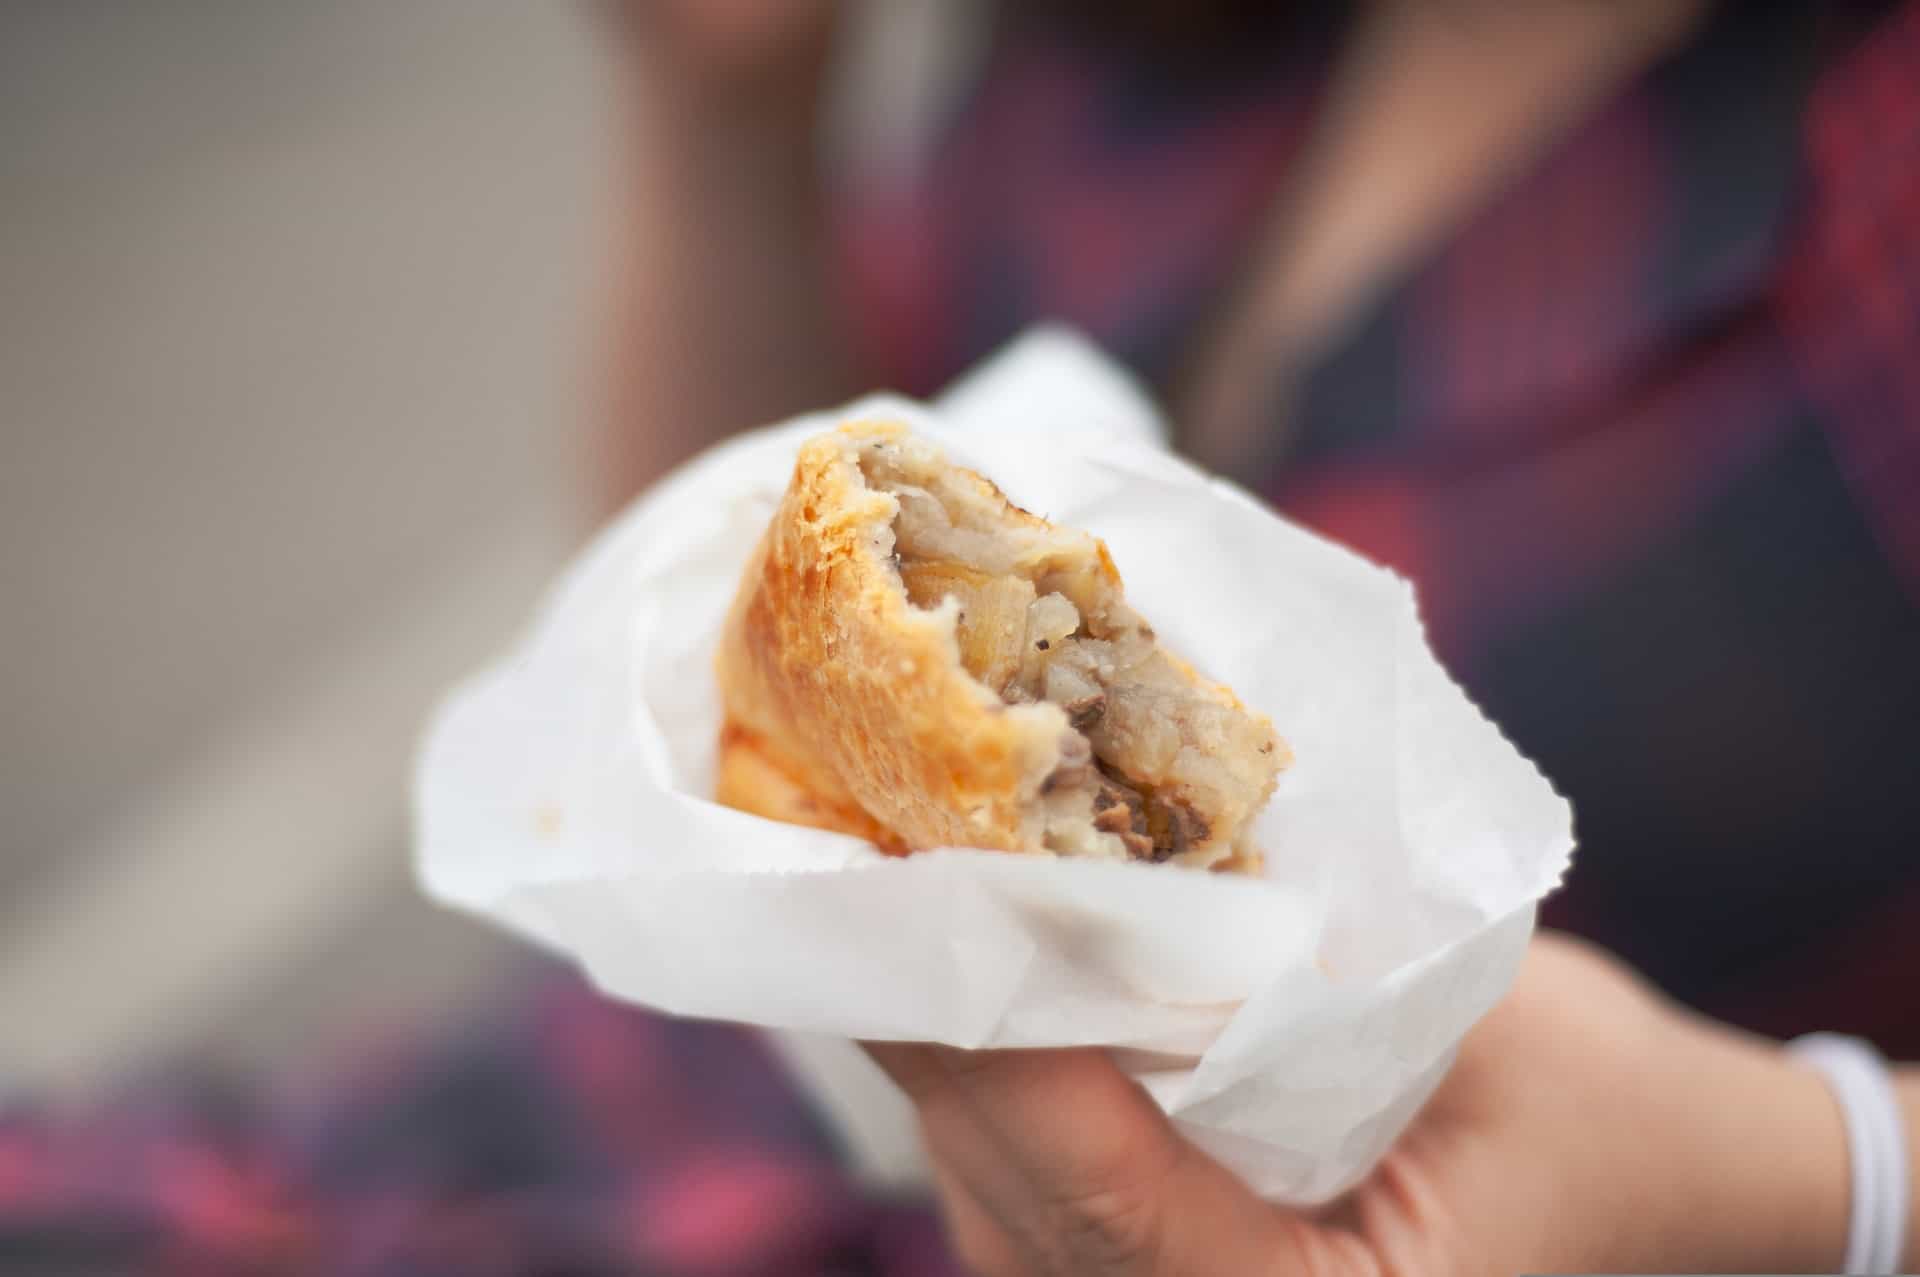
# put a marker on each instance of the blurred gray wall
(293, 329)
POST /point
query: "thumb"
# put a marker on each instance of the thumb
(1081, 1172)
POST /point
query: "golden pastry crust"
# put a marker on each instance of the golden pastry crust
(913, 659)
(856, 693)
(751, 780)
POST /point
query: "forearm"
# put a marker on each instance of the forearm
(722, 314)
(1768, 1153)
(1767, 1157)
(1907, 1086)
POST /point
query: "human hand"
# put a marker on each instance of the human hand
(723, 308)
(759, 58)
(1586, 1126)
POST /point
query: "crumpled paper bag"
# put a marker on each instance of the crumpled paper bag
(1290, 1026)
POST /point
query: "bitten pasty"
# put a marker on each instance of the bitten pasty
(913, 659)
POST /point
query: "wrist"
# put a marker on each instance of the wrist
(1870, 1102)
(1906, 1086)
(695, 149)
(697, 101)
(1762, 1175)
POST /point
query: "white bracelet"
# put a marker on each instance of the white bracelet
(1876, 1146)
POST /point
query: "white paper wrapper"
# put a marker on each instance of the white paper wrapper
(1291, 1026)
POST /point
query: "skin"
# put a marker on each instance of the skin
(1587, 1124)
(719, 310)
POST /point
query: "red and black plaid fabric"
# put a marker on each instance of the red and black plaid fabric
(1644, 429)
(566, 1136)
(1646, 432)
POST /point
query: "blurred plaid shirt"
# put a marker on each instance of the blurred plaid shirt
(1646, 432)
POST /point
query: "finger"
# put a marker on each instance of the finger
(913, 1066)
(973, 1234)
(1089, 1200)
(1057, 1120)
(1061, 1146)
(1082, 1171)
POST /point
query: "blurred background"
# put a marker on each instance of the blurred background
(328, 331)
(288, 440)
(297, 320)
(1587, 318)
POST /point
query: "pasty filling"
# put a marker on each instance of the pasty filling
(1036, 617)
